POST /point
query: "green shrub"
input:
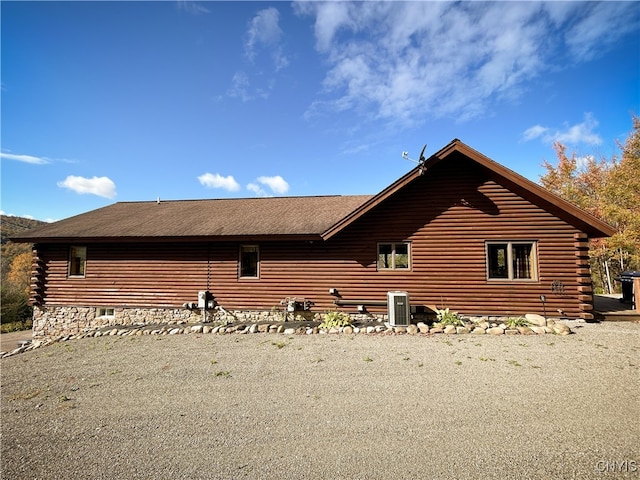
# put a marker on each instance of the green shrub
(335, 320)
(447, 317)
(14, 306)
(516, 322)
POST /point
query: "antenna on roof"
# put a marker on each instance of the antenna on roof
(420, 160)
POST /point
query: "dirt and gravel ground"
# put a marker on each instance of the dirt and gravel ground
(326, 406)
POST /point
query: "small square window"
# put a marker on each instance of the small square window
(77, 261)
(106, 312)
(393, 256)
(512, 260)
(249, 261)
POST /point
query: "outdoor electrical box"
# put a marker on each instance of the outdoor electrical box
(399, 309)
(203, 297)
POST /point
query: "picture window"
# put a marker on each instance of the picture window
(511, 260)
(393, 256)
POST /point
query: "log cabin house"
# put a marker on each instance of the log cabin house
(458, 231)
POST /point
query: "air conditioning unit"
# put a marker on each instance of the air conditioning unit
(399, 310)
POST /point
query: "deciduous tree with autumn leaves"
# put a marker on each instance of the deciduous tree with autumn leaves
(610, 190)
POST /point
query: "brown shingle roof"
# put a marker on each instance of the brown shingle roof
(245, 217)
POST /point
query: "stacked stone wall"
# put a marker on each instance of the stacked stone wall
(56, 321)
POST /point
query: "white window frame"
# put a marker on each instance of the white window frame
(105, 312)
(511, 274)
(393, 267)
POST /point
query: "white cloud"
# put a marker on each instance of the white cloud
(276, 184)
(25, 158)
(597, 25)
(408, 61)
(192, 7)
(580, 133)
(264, 31)
(242, 89)
(255, 188)
(100, 186)
(264, 49)
(218, 181)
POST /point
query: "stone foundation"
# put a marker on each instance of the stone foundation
(57, 321)
(60, 321)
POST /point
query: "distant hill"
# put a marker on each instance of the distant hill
(10, 226)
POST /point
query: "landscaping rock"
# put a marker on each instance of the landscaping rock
(538, 330)
(206, 329)
(436, 330)
(462, 330)
(495, 331)
(196, 329)
(263, 328)
(348, 330)
(450, 330)
(400, 329)
(535, 319)
(289, 331)
(371, 329)
(479, 331)
(253, 328)
(525, 331)
(561, 329)
(412, 329)
(511, 331)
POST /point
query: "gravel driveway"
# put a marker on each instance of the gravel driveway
(326, 406)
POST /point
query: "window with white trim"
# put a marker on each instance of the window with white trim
(106, 312)
(393, 256)
(512, 260)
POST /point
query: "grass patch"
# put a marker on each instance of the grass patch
(16, 326)
(26, 395)
(222, 373)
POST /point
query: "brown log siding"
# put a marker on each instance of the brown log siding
(447, 216)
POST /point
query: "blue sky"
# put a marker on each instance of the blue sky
(125, 101)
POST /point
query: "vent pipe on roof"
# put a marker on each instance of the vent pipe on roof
(158, 201)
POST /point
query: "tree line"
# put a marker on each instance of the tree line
(15, 272)
(608, 188)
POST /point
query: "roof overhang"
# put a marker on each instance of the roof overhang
(185, 239)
